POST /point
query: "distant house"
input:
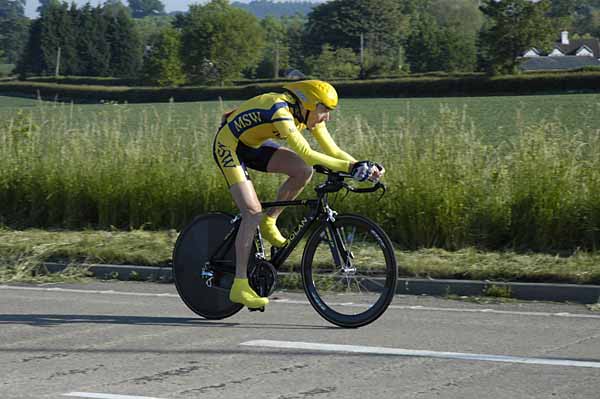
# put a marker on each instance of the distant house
(566, 54)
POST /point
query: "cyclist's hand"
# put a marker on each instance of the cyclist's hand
(362, 170)
(377, 173)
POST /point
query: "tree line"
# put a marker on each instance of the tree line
(87, 41)
(217, 42)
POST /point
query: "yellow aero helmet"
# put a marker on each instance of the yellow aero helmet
(312, 92)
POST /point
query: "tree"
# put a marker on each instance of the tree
(341, 23)
(59, 40)
(294, 31)
(93, 50)
(45, 4)
(460, 22)
(13, 29)
(589, 22)
(459, 50)
(125, 46)
(338, 63)
(144, 8)
(462, 16)
(32, 60)
(12, 8)
(220, 41)
(584, 17)
(163, 64)
(424, 45)
(97, 41)
(150, 28)
(276, 53)
(565, 8)
(515, 26)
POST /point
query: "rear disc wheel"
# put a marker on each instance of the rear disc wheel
(193, 249)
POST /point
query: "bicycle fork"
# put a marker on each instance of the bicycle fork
(341, 255)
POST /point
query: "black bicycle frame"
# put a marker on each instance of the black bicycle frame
(304, 225)
(318, 206)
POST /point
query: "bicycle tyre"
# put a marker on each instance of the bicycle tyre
(374, 279)
(193, 248)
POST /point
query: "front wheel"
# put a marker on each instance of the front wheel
(349, 271)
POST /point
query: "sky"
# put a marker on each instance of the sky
(170, 5)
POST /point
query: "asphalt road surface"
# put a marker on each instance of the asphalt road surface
(123, 340)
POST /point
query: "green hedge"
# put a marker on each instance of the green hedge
(6, 69)
(89, 93)
(473, 85)
(87, 80)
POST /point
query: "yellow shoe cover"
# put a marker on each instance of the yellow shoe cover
(241, 292)
(270, 232)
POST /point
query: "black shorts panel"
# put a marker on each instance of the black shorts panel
(257, 158)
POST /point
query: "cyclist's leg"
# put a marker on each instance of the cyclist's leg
(287, 161)
(247, 201)
(242, 190)
(299, 173)
(271, 157)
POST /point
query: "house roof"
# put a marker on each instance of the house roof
(557, 63)
(574, 45)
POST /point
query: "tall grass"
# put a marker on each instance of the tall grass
(131, 167)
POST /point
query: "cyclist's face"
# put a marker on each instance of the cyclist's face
(320, 114)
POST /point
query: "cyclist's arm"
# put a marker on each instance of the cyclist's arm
(324, 139)
(288, 131)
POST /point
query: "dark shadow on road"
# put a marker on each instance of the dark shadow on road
(51, 320)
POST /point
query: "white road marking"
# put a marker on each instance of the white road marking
(304, 302)
(105, 396)
(82, 291)
(418, 353)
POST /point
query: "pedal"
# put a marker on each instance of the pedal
(261, 309)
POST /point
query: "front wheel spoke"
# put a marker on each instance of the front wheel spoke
(348, 238)
(371, 279)
(358, 282)
(348, 283)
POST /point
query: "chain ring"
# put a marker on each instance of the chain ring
(263, 278)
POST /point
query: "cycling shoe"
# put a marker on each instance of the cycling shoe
(270, 232)
(241, 292)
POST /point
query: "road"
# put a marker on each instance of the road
(125, 340)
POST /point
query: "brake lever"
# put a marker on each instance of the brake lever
(383, 188)
(347, 191)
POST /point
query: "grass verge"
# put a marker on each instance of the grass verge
(534, 186)
(22, 253)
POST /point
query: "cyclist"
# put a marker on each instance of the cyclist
(244, 141)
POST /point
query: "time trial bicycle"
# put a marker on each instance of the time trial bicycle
(348, 267)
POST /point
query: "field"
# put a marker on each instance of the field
(495, 118)
(494, 172)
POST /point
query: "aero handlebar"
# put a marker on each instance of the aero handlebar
(335, 182)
